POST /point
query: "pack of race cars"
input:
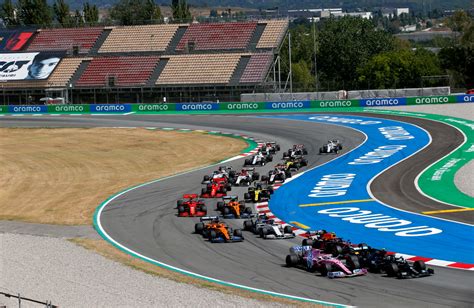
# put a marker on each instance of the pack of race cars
(320, 251)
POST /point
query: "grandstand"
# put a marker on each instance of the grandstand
(144, 64)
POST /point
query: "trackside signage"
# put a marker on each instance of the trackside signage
(288, 105)
(28, 109)
(426, 100)
(465, 98)
(197, 106)
(334, 103)
(68, 108)
(242, 106)
(111, 108)
(375, 102)
(3, 109)
(153, 107)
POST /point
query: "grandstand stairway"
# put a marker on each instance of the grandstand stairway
(79, 72)
(257, 34)
(239, 70)
(156, 72)
(175, 41)
(100, 40)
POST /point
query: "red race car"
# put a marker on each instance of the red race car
(192, 207)
(216, 189)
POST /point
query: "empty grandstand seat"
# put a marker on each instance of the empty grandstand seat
(273, 33)
(218, 36)
(65, 39)
(139, 38)
(257, 68)
(127, 71)
(199, 69)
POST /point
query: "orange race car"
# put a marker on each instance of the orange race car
(217, 231)
(230, 207)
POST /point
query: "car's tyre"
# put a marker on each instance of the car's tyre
(336, 250)
(352, 262)
(305, 152)
(247, 196)
(232, 174)
(419, 265)
(285, 155)
(180, 209)
(247, 162)
(179, 202)
(263, 233)
(265, 178)
(255, 176)
(288, 174)
(204, 208)
(277, 147)
(325, 269)
(226, 211)
(224, 190)
(287, 229)
(270, 191)
(307, 242)
(248, 210)
(199, 227)
(220, 205)
(291, 260)
(248, 225)
(304, 162)
(212, 234)
(270, 157)
(238, 232)
(392, 269)
(316, 244)
(206, 178)
(228, 187)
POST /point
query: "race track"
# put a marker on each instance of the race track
(144, 219)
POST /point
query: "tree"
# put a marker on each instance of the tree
(132, 12)
(213, 13)
(345, 44)
(35, 12)
(8, 13)
(180, 9)
(302, 77)
(399, 69)
(91, 14)
(61, 11)
(458, 21)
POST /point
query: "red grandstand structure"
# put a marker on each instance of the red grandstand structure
(143, 64)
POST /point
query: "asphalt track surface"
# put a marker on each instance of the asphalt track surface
(145, 221)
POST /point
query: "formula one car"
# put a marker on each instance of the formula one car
(245, 177)
(192, 207)
(259, 193)
(260, 159)
(268, 228)
(231, 208)
(278, 175)
(297, 150)
(312, 260)
(222, 172)
(295, 162)
(328, 242)
(378, 260)
(270, 147)
(216, 189)
(332, 146)
(217, 231)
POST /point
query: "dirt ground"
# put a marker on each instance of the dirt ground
(59, 176)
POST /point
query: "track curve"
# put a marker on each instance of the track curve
(144, 221)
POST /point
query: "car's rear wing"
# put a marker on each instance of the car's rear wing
(190, 196)
(226, 198)
(249, 169)
(208, 218)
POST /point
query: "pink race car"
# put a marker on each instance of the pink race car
(315, 260)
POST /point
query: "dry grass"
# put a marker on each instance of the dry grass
(110, 252)
(59, 176)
